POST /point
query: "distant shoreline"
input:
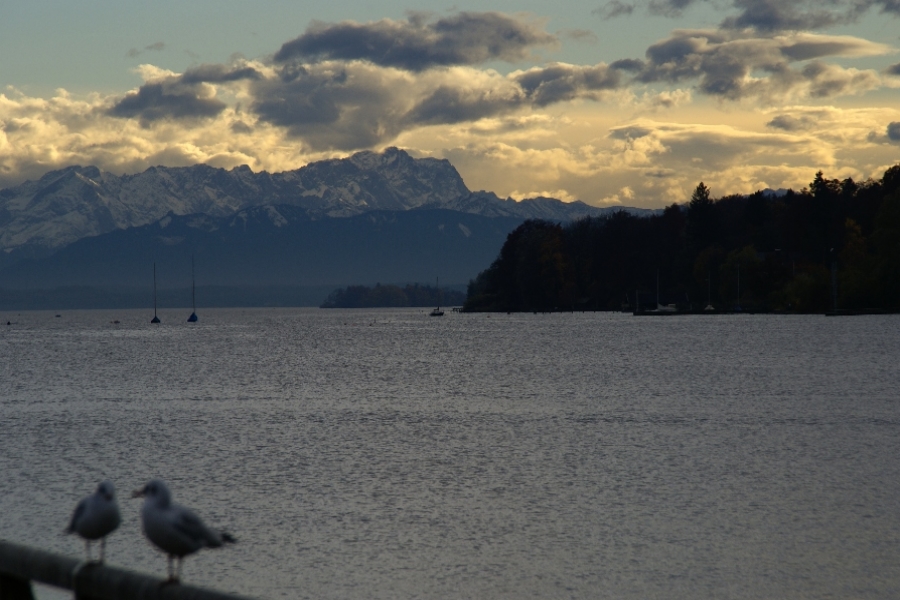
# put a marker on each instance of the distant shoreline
(87, 297)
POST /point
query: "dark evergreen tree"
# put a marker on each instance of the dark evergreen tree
(783, 247)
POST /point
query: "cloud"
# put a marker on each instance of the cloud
(735, 65)
(38, 135)
(155, 47)
(614, 9)
(717, 147)
(669, 8)
(647, 163)
(186, 96)
(781, 15)
(352, 105)
(765, 15)
(520, 172)
(893, 70)
(661, 173)
(241, 128)
(360, 91)
(790, 123)
(625, 194)
(349, 105)
(664, 100)
(893, 131)
(416, 45)
(156, 101)
(628, 64)
(661, 161)
(665, 160)
(457, 104)
(218, 74)
(826, 81)
(559, 194)
(854, 136)
(562, 82)
(801, 46)
(885, 6)
(579, 35)
(515, 127)
(334, 105)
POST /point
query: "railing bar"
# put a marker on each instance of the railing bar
(14, 588)
(94, 581)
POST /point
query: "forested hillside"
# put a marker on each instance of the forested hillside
(763, 252)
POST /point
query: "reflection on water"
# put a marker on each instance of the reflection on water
(385, 454)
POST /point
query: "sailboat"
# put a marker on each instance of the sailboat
(193, 317)
(662, 308)
(155, 319)
(437, 312)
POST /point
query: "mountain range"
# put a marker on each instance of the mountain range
(372, 217)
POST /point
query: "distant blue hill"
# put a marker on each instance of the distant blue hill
(275, 246)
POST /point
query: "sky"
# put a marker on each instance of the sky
(611, 102)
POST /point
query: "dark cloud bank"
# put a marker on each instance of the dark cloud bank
(765, 15)
(893, 131)
(341, 86)
(416, 45)
(329, 91)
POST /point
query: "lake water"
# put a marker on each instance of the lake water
(385, 454)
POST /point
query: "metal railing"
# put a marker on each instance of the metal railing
(20, 565)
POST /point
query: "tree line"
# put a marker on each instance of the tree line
(837, 240)
(392, 296)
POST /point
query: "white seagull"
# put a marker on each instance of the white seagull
(96, 517)
(174, 529)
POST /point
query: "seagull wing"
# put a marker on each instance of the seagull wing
(189, 525)
(76, 516)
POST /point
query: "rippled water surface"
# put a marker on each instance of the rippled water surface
(386, 454)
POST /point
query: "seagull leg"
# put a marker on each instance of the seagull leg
(178, 572)
(87, 549)
(102, 549)
(171, 577)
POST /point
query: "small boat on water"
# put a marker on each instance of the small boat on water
(193, 317)
(155, 319)
(662, 308)
(437, 312)
(665, 308)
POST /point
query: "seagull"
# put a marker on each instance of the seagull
(174, 529)
(96, 517)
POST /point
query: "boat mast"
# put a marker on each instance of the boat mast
(193, 317)
(657, 288)
(155, 319)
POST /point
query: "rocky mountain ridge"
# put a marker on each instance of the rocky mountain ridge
(42, 216)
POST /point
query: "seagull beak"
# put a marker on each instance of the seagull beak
(138, 493)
